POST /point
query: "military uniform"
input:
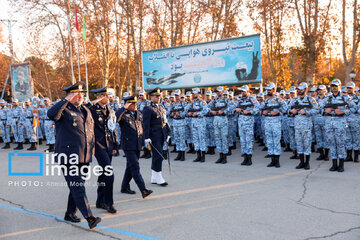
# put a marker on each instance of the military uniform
(353, 129)
(4, 128)
(273, 126)
(320, 134)
(132, 142)
(155, 134)
(246, 125)
(196, 110)
(15, 120)
(75, 135)
(105, 143)
(335, 125)
(177, 113)
(303, 125)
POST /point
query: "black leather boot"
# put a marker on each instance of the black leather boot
(326, 154)
(93, 221)
(174, 150)
(19, 146)
(272, 163)
(224, 159)
(348, 156)
(356, 155)
(220, 158)
(202, 159)
(178, 157)
(277, 161)
(334, 167)
(249, 161)
(287, 149)
(198, 156)
(40, 141)
(7, 146)
(295, 155)
(301, 164)
(312, 147)
(307, 162)
(322, 156)
(229, 152)
(341, 165)
(32, 147)
(245, 160)
(212, 151)
(191, 150)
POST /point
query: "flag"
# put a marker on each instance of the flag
(77, 22)
(84, 28)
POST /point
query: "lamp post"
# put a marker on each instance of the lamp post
(352, 75)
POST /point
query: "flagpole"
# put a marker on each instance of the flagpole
(86, 70)
(70, 50)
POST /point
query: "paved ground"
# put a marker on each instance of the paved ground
(202, 201)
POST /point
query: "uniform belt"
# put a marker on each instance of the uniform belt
(246, 114)
(29, 117)
(196, 117)
(179, 118)
(333, 115)
(223, 114)
(156, 125)
(47, 119)
(272, 116)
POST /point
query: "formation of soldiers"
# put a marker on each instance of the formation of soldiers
(300, 120)
(26, 123)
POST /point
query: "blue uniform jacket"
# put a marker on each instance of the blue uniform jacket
(74, 130)
(155, 123)
(131, 129)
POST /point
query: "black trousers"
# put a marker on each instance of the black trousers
(132, 171)
(77, 196)
(156, 148)
(105, 183)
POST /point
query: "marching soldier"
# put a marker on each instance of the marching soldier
(246, 107)
(272, 108)
(105, 147)
(303, 107)
(75, 135)
(335, 107)
(130, 121)
(155, 133)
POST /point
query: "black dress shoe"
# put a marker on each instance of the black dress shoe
(163, 184)
(128, 191)
(111, 209)
(93, 221)
(71, 218)
(101, 205)
(146, 193)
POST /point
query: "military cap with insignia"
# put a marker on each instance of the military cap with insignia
(155, 92)
(77, 87)
(130, 99)
(104, 90)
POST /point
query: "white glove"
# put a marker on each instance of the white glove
(168, 139)
(147, 142)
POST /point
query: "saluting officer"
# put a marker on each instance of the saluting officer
(130, 121)
(155, 133)
(105, 147)
(75, 135)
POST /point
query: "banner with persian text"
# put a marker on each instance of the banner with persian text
(234, 61)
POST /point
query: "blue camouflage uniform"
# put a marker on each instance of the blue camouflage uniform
(49, 126)
(4, 128)
(15, 119)
(210, 130)
(177, 109)
(246, 123)
(353, 129)
(30, 129)
(319, 128)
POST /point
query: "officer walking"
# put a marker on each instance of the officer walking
(130, 121)
(75, 135)
(155, 133)
(105, 147)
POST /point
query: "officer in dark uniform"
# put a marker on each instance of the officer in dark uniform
(132, 142)
(105, 147)
(74, 136)
(156, 131)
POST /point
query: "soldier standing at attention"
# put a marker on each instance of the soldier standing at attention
(247, 107)
(303, 107)
(49, 126)
(105, 147)
(75, 135)
(132, 141)
(155, 133)
(335, 107)
(272, 108)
